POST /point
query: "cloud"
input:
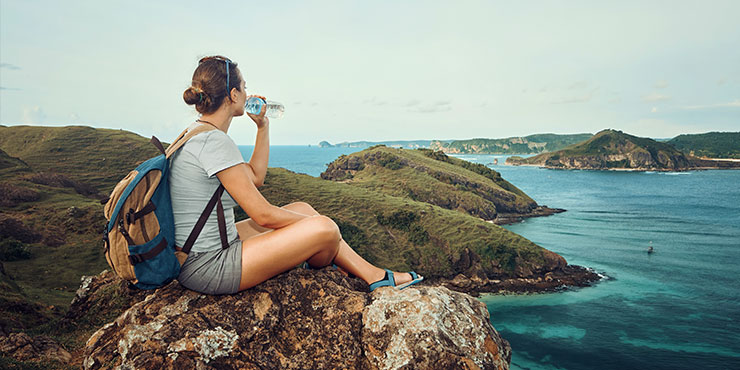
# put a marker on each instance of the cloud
(654, 110)
(662, 84)
(436, 107)
(33, 115)
(9, 66)
(578, 85)
(576, 99)
(413, 103)
(655, 97)
(732, 104)
(375, 101)
(722, 81)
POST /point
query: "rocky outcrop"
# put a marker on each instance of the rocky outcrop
(302, 319)
(616, 150)
(22, 347)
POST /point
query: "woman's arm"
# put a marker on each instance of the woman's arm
(239, 183)
(260, 155)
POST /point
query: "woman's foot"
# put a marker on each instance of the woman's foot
(399, 277)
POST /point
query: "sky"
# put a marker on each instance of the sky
(379, 70)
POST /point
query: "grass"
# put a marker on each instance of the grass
(385, 214)
(606, 143)
(432, 177)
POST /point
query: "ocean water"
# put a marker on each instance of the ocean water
(678, 308)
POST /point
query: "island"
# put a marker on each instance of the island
(615, 150)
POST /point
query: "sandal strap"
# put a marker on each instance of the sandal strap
(387, 281)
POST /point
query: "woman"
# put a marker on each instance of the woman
(274, 239)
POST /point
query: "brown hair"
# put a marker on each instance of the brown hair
(209, 89)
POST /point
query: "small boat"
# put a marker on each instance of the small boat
(650, 249)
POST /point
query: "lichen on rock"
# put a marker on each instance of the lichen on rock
(301, 319)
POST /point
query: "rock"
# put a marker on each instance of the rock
(431, 328)
(301, 319)
(22, 347)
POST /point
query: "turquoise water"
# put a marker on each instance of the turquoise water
(678, 308)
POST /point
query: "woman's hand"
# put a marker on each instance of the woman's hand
(260, 119)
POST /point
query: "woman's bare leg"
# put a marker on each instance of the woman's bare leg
(265, 255)
(346, 257)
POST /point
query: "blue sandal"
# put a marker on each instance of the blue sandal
(391, 281)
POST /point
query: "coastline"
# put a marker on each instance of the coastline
(646, 169)
(511, 218)
(571, 276)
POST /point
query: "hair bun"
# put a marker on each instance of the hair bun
(195, 95)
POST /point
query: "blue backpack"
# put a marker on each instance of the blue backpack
(139, 237)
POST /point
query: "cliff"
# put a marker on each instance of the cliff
(432, 177)
(612, 150)
(532, 144)
(711, 144)
(301, 319)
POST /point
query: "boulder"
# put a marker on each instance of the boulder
(301, 319)
(22, 347)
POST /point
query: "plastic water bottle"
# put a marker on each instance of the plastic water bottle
(274, 109)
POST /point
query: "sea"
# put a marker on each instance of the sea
(675, 308)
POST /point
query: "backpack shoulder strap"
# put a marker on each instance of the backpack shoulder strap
(184, 137)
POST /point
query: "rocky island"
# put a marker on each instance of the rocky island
(531, 144)
(616, 150)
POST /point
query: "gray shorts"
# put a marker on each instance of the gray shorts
(214, 272)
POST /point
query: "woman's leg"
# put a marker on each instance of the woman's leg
(265, 255)
(347, 258)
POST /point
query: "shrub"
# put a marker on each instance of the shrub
(15, 229)
(60, 181)
(13, 250)
(12, 195)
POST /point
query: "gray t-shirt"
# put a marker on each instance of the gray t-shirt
(192, 183)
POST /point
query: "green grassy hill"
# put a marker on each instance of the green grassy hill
(432, 177)
(98, 157)
(711, 144)
(532, 144)
(51, 219)
(612, 149)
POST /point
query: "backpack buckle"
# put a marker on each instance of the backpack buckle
(128, 216)
(135, 258)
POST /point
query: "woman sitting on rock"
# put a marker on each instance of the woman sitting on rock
(274, 239)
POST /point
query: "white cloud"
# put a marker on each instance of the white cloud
(576, 99)
(9, 66)
(578, 85)
(732, 104)
(33, 115)
(436, 107)
(654, 110)
(662, 84)
(655, 97)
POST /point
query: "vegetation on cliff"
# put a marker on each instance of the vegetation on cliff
(711, 144)
(612, 149)
(432, 177)
(532, 144)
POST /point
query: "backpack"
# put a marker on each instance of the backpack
(139, 235)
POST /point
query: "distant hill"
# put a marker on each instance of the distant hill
(99, 157)
(409, 144)
(711, 144)
(433, 177)
(532, 144)
(616, 150)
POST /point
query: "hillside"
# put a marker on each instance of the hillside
(392, 143)
(432, 177)
(50, 225)
(532, 144)
(610, 150)
(711, 144)
(98, 157)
